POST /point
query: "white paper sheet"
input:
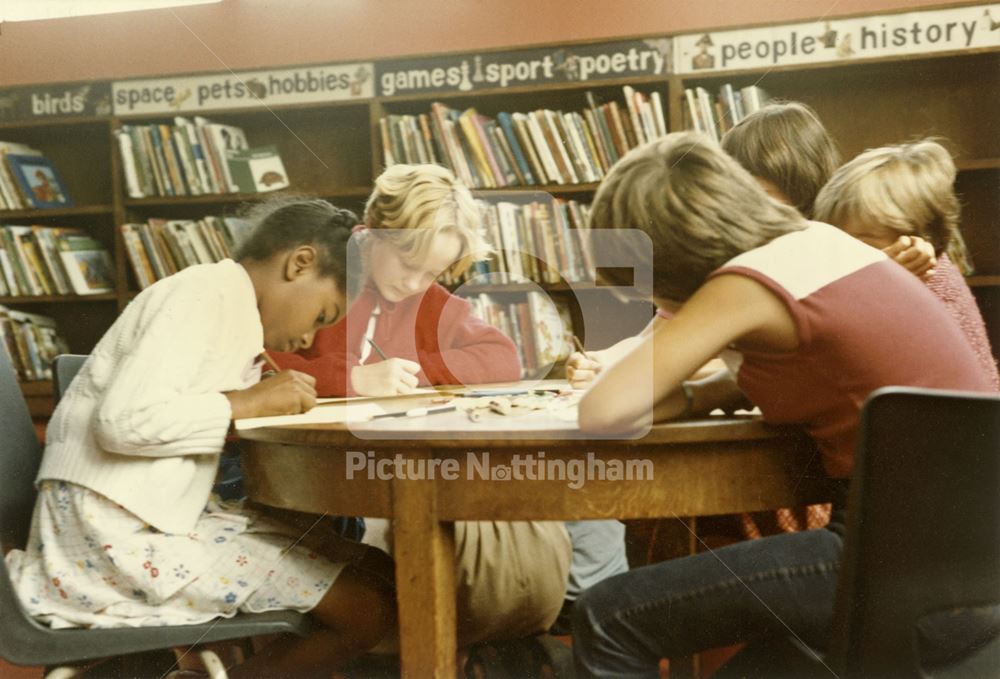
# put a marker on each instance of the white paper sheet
(328, 414)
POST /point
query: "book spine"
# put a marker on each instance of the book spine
(141, 266)
(522, 128)
(507, 127)
(472, 140)
(132, 185)
(144, 166)
(547, 154)
(152, 144)
(504, 157)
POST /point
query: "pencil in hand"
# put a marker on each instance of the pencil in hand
(377, 349)
(270, 362)
(579, 347)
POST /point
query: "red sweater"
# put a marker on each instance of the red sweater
(435, 329)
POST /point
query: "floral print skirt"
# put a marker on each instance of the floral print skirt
(92, 563)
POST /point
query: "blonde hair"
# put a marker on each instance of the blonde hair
(907, 188)
(786, 144)
(698, 206)
(411, 204)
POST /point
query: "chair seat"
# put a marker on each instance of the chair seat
(28, 642)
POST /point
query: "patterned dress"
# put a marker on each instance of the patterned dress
(92, 563)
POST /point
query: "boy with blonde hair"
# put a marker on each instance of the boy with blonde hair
(908, 190)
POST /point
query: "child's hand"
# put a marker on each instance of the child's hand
(581, 370)
(915, 254)
(287, 393)
(385, 378)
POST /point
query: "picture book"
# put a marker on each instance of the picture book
(38, 180)
(257, 170)
(88, 264)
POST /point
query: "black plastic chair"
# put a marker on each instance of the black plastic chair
(24, 641)
(923, 537)
(923, 534)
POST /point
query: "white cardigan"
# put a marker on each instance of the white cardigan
(145, 419)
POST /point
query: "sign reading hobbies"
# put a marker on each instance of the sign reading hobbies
(333, 82)
(468, 72)
(942, 30)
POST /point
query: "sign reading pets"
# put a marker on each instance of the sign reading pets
(307, 84)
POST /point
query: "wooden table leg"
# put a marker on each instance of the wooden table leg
(424, 550)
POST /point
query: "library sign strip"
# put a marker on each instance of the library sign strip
(959, 28)
(575, 63)
(55, 101)
(250, 89)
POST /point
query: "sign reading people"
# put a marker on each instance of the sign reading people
(954, 29)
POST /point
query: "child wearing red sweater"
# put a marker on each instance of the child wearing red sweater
(419, 222)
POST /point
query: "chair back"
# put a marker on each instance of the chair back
(64, 369)
(20, 456)
(923, 530)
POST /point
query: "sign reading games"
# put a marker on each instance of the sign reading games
(55, 101)
(468, 72)
(333, 82)
(942, 30)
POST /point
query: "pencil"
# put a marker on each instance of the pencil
(270, 362)
(579, 347)
(376, 348)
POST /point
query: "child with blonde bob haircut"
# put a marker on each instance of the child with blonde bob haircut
(419, 222)
(787, 302)
(908, 190)
(404, 329)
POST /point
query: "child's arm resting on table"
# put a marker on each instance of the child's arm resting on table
(629, 395)
(149, 404)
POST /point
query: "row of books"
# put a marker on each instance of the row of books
(161, 247)
(52, 260)
(29, 180)
(540, 241)
(716, 116)
(540, 327)
(524, 149)
(194, 158)
(32, 342)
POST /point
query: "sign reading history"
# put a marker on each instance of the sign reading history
(250, 89)
(536, 66)
(55, 101)
(825, 40)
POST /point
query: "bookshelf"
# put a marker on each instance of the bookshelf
(334, 150)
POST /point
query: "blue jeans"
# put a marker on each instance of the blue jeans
(776, 586)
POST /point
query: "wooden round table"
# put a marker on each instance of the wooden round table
(425, 473)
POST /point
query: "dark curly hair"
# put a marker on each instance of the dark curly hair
(286, 223)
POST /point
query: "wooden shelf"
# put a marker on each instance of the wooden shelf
(55, 122)
(527, 287)
(36, 388)
(59, 299)
(57, 212)
(40, 397)
(977, 164)
(230, 198)
(543, 188)
(983, 281)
